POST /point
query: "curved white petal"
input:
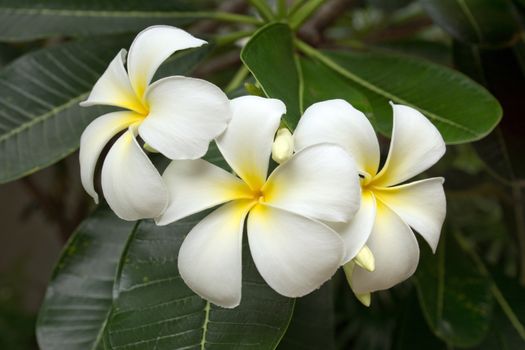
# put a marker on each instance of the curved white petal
(93, 140)
(185, 115)
(319, 182)
(337, 121)
(295, 255)
(416, 145)
(247, 142)
(356, 232)
(421, 204)
(150, 48)
(114, 89)
(132, 186)
(210, 258)
(195, 185)
(395, 250)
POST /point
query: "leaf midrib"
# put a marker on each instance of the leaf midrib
(43, 117)
(100, 13)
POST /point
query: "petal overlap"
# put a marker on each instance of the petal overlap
(132, 186)
(185, 114)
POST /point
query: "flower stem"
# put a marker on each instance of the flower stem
(304, 12)
(264, 10)
(237, 79)
(230, 38)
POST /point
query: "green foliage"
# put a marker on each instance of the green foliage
(455, 296)
(484, 22)
(29, 19)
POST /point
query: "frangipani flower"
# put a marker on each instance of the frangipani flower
(177, 116)
(294, 252)
(388, 207)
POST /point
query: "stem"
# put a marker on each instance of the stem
(296, 6)
(281, 8)
(264, 10)
(230, 38)
(304, 12)
(237, 79)
(220, 16)
(496, 292)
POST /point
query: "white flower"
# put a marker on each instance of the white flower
(293, 251)
(177, 116)
(388, 209)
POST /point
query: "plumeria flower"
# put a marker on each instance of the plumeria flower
(389, 207)
(177, 116)
(292, 249)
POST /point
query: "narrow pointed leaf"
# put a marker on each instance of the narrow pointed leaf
(79, 296)
(31, 19)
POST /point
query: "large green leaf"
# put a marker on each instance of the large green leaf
(454, 295)
(32, 19)
(78, 298)
(485, 22)
(312, 326)
(461, 109)
(154, 309)
(269, 55)
(321, 83)
(40, 119)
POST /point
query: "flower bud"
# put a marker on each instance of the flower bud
(282, 148)
(365, 259)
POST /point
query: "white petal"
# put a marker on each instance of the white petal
(319, 182)
(210, 258)
(356, 232)
(150, 48)
(185, 115)
(395, 250)
(416, 145)
(295, 255)
(93, 140)
(132, 186)
(336, 121)
(114, 89)
(421, 204)
(195, 185)
(247, 143)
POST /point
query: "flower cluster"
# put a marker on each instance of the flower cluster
(325, 205)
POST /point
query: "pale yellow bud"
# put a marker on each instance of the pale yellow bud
(365, 259)
(365, 299)
(282, 148)
(149, 148)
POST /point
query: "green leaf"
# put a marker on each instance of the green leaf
(312, 326)
(461, 109)
(78, 298)
(454, 295)
(321, 83)
(40, 119)
(269, 55)
(485, 22)
(32, 19)
(154, 309)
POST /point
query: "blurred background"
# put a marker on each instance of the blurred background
(485, 180)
